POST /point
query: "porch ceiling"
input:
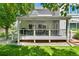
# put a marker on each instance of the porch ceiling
(43, 18)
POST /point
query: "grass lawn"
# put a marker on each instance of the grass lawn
(13, 50)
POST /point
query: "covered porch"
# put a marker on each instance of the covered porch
(43, 28)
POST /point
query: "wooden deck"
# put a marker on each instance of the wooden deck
(43, 38)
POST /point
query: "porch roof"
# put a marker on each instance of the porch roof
(43, 18)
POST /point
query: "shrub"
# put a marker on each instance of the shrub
(2, 34)
(76, 36)
(14, 50)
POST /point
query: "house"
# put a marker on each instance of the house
(74, 21)
(41, 24)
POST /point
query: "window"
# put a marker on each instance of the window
(72, 26)
(77, 25)
(30, 26)
(77, 11)
(41, 26)
(71, 9)
(42, 30)
(55, 24)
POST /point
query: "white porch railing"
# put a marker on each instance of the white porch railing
(43, 32)
(71, 34)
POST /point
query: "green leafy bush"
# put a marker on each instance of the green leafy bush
(2, 34)
(14, 50)
(76, 36)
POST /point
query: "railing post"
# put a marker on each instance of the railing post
(49, 35)
(49, 32)
(34, 35)
(34, 32)
(71, 34)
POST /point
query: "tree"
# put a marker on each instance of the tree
(24, 8)
(51, 6)
(9, 12)
(64, 7)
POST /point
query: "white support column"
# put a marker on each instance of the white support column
(49, 35)
(49, 31)
(34, 41)
(34, 36)
(18, 32)
(34, 33)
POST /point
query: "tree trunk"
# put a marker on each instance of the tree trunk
(6, 33)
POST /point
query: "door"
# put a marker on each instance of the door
(55, 28)
(41, 29)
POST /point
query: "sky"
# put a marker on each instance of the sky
(38, 5)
